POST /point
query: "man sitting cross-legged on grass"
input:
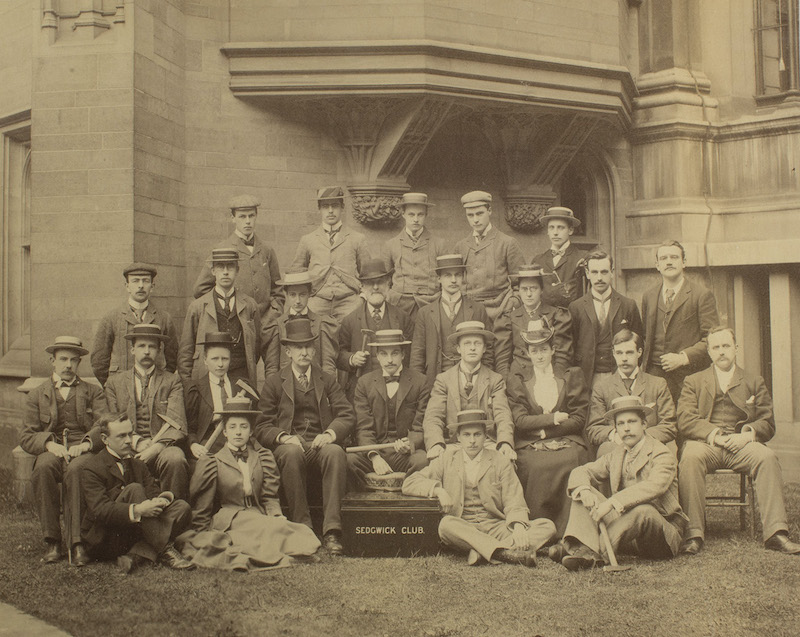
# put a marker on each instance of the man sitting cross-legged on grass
(642, 515)
(481, 497)
(127, 516)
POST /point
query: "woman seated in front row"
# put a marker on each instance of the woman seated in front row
(549, 411)
(237, 521)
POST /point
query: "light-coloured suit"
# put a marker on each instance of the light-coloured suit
(414, 282)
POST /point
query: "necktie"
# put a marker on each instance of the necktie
(240, 454)
(138, 314)
(63, 383)
(127, 470)
(557, 253)
(392, 379)
(468, 385)
(376, 314)
(302, 382)
(145, 381)
(332, 235)
(477, 239)
(628, 382)
(670, 296)
(299, 315)
(223, 395)
(602, 314)
(251, 241)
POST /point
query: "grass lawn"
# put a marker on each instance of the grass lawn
(734, 587)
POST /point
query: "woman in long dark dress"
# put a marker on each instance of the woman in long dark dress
(549, 410)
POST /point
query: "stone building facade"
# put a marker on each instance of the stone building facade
(128, 124)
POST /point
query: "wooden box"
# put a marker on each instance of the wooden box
(380, 524)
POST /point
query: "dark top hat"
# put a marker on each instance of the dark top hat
(374, 269)
(140, 268)
(627, 403)
(298, 330)
(217, 339)
(223, 255)
(67, 342)
(450, 262)
(146, 330)
(559, 212)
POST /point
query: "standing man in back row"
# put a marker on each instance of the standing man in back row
(563, 261)
(258, 264)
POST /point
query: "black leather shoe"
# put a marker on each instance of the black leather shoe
(692, 546)
(53, 553)
(557, 552)
(80, 556)
(127, 563)
(780, 542)
(517, 556)
(332, 543)
(173, 559)
(581, 559)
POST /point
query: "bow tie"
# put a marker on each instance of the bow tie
(63, 383)
(299, 315)
(240, 454)
(392, 379)
(251, 241)
(557, 253)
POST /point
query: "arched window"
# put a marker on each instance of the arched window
(777, 49)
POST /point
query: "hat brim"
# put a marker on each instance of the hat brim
(296, 341)
(152, 337)
(611, 414)
(373, 277)
(572, 220)
(212, 261)
(441, 268)
(395, 344)
(453, 338)
(238, 412)
(541, 339)
(285, 284)
(455, 427)
(417, 203)
(216, 344)
(52, 349)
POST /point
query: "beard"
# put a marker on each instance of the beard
(375, 299)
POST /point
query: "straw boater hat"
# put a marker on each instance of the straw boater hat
(298, 330)
(470, 328)
(627, 403)
(223, 255)
(330, 193)
(476, 199)
(416, 198)
(217, 339)
(140, 268)
(146, 330)
(243, 202)
(468, 417)
(450, 262)
(295, 278)
(374, 269)
(538, 332)
(71, 343)
(559, 212)
(531, 271)
(389, 338)
(238, 406)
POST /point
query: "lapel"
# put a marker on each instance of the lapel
(562, 388)
(226, 457)
(644, 455)
(288, 382)
(204, 389)
(458, 476)
(546, 259)
(240, 307)
(128, 315)
(639, 385)
(588, 307)
(680, 299)
(484, 466)
(707, 392)
(111, 466)
(402, 389)
(319, 385)
(254, 468)
(380, 386)
(613, 306)
(210, 305)
(238, 244)
(486, 242)
(155, 385)
(618, 386)
(481, 382)
(338, 239)
(615, 469)
(50, 392)
(81, 395)
(564, 259)
(735, 389)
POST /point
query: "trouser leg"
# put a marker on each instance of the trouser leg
(697, 459)
(291, 461)
(332, 462)
(358, 466)
(48, 472)
(74, 504)
(172, 470)
(464, 536)
(645, 531)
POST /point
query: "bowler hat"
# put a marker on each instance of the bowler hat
(223, 255)
(374, 269)
(476, 198)
(146, 330)
(139, 268)
(468, 417)
(388, 338)
(67, 342)
(627, 403)
(450, 262)
(330, 193)
(416, 198)
(470, 328)
(559, 212)
(218, 339)
(241, 202)
(539, 331)
(295, 278)
(298, 331)
(238, 406)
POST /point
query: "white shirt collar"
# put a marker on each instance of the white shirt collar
(675, 288)
(298, 374)
(113, 453)
(563, 248)
(412, 236)
(464, 370)
(142, 371)
(724, 378)
(241, 235)
(634, 374)
(472, 461)
(602, 297)
(334, 228)
(223, 294)
(138, 306)
(632, 453)
(452, 298)
(481, 235)
(397, 373)
(381, 309)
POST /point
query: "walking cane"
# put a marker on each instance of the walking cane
(614, 567)
(65, 504)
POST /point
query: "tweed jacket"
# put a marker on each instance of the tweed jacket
(414, 264)
(277, 407)
(426, 344)
(530, 419)
(747, 391)
(165, 395)
(326, 330)
(261, 338)
(653, 391)
(561, 290)
(498, 486)
(511, 352)
(445, 403)
(656, 470)
(490, 264)
(257, 275)
(316, 254)
(694, 312)
(623, 314)
(372, 415)
(111, 353)
(101, 485)
(200, 407)
(40, 422)
(216, 491)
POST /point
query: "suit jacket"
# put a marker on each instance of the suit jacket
(277, 407)
(498, 486)
(694, 312)
(561, 290)
(511, 352)
(111, 353)
(216, 491)
(747, 391)
(623, 314)
(656, 470)
(445, 403)
(371, 404)
(652, 390)
(426, 344)
(165, 395)
(40, 422)
(101, 484)
(261, 338)
(530, 419)
(257, 275)
(200, 408)
(490, 264)
(316, 254)
(327, 342)
(414, 265)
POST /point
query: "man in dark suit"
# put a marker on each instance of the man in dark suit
(725, 416)
(597, 316)
(127, 516)
(563, 262)
(305, 421)
(58, 428)
(677, 315)
(153, 400)
(111, 353)
(259, 270)
(373, 314)
(431, 351)
(390, 403)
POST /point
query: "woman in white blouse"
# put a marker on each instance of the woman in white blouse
(549, 411)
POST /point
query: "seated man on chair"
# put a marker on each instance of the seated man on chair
(725, 416)
(481, 497)
(642, 515)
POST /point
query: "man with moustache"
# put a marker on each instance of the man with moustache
(563, 261)
(59, 429)
(725, 416)
(111, 353)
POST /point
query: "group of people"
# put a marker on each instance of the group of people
(489, 382)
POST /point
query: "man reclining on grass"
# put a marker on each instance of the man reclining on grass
(481, 496)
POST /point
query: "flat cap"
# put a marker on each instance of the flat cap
(244, 201)
(139, 268)
(476, 198)
(330, 193)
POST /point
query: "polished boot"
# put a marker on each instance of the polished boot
(693, 546)
(332, 543)
(53, 553)
(780, 542)
(516, 556)
(171, 558)
(80, 557)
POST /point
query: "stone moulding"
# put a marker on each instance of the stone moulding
(376, 206)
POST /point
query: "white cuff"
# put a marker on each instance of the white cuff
(332, 434)
(132, 515)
